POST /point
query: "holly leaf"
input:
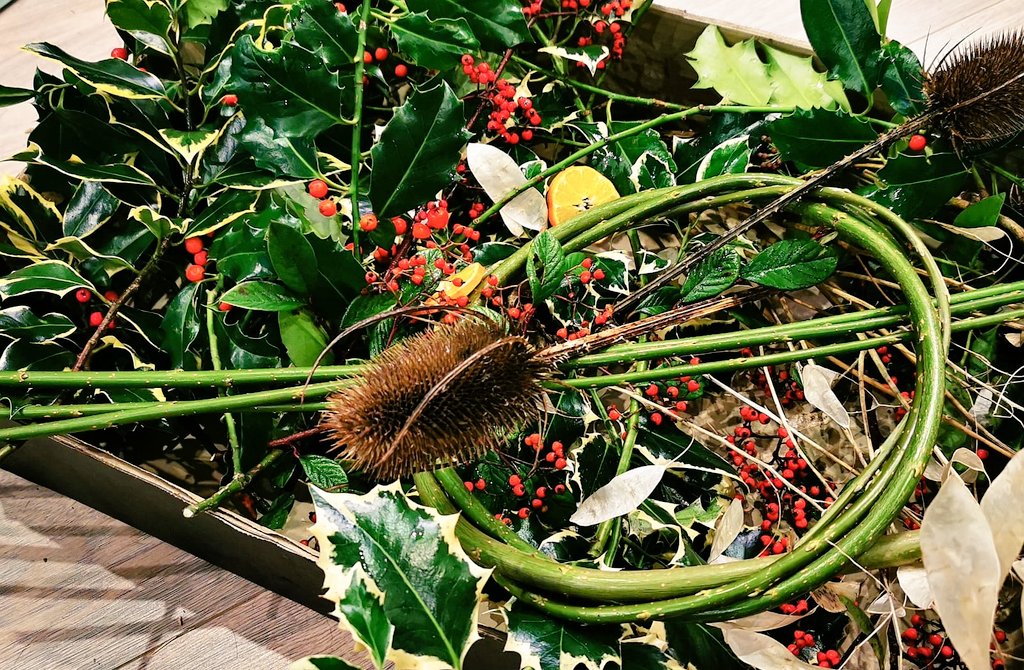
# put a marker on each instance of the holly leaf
(819, 137)
(902, 78)
(844, 38)
(25, 355)
(792, 264)
(545, 266)
(229, 206)
(149, 21)
(203, 12)
(112, 76)
(497, 24)
(90, 207)
(420, 587)
(916, 187)
(436, 44)
(712, 276)
(113, 173)
(10, 95)
(324, 473)
(322, 29)
(544, 643)
(20, 323)
(729, 157)
(796, 83)
(180, 324)
(292, 257)
(35, 216)
(735, 72)
(48, 276)
(303, 339)
(697, 643)
(418, 151)
(262, 296)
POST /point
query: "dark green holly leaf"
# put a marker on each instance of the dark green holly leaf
(324, 30)
(712, 276)
(844, 37)
(288, 88)
(690, 153)
(243, 351)
(25, 355)
(497, 24)
(700, 645)
(112, 76)
(303, 339)
(365, 306)
(180, 325)
(418, 151)
(46, 276)
(280, 155)
(670, 444)
(544, 643)
(981, 214)
(436, 44)
(819, 137)
(10, 95)
(902, 79)
(430, 587)
(361, 609)
(292, 257)
(277, 515)
(545, 266)
(31, 214)
(149, 21)
(20, 323)
(324, 473)
(90, 207)
(918, 186)
(638, 654)
(729, 157)
(792, 264)
(322, 663)
(262, 296)
(635, 162)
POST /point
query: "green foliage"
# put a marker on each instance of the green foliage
(792, 264)
(817, 138)
(545, 266)
(844, 36)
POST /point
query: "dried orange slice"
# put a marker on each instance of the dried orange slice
(577, 189)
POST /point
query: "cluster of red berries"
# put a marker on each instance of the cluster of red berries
(84, 296)
(318, 189)
(617, 8)
(826, 658)
(537, 499)
(379, 55)
(478, 73)
(555, 456)
(927, 645)
(196, 270)
(782, 377)
(509, 113)
(800, 606)
(673, 394)
(413, 269)
(532, 8)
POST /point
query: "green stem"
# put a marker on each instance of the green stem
(34, 412)
(229, 421)
(6, 450)
(357, 126)
(174, 378)
(237, 483)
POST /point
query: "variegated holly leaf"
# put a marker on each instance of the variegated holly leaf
(544, 643)
(401, 582)
(48, 276)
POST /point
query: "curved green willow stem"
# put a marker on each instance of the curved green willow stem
(176, 378)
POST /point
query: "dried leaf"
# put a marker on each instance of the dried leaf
(963, 570)
(761, 651)
(967, 458)
(620, 496)
(766, 621)
(1003, 506)
(728, 528)
(913, 580)
(884, 604)
(818, 391)
(499, 174)
(829, 596)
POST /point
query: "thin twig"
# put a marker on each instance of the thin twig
(238, 482)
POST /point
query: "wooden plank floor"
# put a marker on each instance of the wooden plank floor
(81, 590)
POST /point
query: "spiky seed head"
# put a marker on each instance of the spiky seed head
(478, 383)
(987, 72)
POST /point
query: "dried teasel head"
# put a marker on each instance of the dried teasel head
(444, 396)
(977, 92)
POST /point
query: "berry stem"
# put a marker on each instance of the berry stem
(237, 483)
(357, 121)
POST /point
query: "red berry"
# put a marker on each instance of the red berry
(420, 231)
(368, 222)
(537, 502)
(367, 57)
(468, 485)
(229, 100)
(910, 634)
(918, 143)
(693, 386)
(585, 277)
(95, 319)
(83, 295)
(328, 208)
(656, 419)
(524, 512)
(111, 296)
(201, 258)
(515, 480)
(541, 492)
(120, 53)
(224, 307)
(560, 464)
(317, 188)
(380, 53)
(194, 273)
(480, 484)
(194, 245)
(599, 274)
(559, 488)
(401, 70)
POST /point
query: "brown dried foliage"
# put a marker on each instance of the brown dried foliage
(446, 395)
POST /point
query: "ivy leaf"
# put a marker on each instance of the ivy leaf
(796, 83)
(288, 88)
(497, 24)
(735, 72)
(712, 276)
(324, 30)
(844, 38)
(819, 137)
(981, 214)
(544, 643)
(303, 339)
(437, 44)
(792, 264)
(10, 95)
(20, 323)
(730, 157)
(112, 76)
(545, 266)
(292, 257)
(902, 78)
(90, 207)
(418, 151)
(415, 571)
(180, 324)
(324, 473)
(918, 186)
(262, 296)
(49, 276)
